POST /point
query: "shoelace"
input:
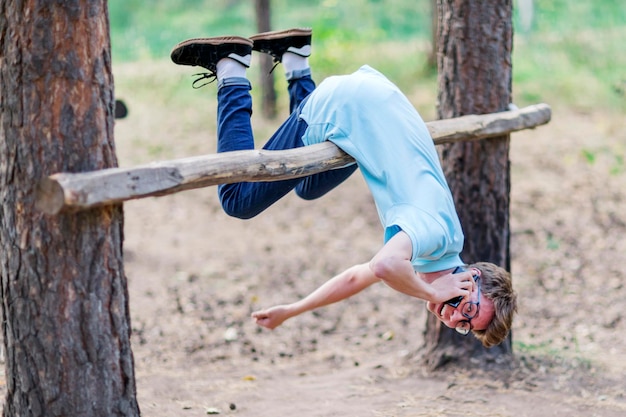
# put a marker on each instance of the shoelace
(276, 62)
(211, 76)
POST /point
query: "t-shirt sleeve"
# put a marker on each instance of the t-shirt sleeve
(436, 247)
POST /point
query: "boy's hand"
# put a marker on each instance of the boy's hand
(272, 317)
(453, 285)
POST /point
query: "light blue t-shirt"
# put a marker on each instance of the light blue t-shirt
(370, 119)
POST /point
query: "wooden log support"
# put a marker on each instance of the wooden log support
(91, 189)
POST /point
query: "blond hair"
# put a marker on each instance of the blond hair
(496, 284)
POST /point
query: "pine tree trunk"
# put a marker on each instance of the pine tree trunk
(474, 62)
(434, 22)
(66, 325)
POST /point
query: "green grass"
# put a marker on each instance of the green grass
(546, 355)
(571, 54)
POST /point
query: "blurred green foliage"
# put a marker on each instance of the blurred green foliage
(564, 52)
(140, 29)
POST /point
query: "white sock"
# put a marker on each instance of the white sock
(293, 62)
(229, 68)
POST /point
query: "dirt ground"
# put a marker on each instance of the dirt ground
(195, 275)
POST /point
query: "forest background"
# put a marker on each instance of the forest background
(564, 52)
(195, 274)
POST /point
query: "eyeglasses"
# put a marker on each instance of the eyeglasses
(469, 309)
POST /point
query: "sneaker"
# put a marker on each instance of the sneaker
(276, 43)
(206, 52)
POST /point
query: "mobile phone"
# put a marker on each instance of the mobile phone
(454, 302)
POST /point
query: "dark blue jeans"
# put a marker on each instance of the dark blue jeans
(234, 132)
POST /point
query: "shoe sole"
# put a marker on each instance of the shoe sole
(279, 34)
(218, 40)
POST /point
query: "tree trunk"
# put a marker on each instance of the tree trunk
(474, 62)
(434, 22)
(65, 316)
(268, 93)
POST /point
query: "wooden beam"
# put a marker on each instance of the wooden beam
(110, 186)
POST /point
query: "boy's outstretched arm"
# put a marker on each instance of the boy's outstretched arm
(340, 287)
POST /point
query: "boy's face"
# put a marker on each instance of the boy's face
(451, 316)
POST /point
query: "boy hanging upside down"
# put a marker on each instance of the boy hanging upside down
(370, 119)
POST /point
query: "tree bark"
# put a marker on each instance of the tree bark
(474, 63)
(65, 315)
(268, 92)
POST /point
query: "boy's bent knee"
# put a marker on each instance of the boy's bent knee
(233, 205)
(308, 195)
(233, 210)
